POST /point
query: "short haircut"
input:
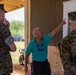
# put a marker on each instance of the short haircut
(34, 31)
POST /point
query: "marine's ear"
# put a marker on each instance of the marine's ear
(69, 23)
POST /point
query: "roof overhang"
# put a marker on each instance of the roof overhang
(11, 5)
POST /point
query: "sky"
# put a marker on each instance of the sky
(16, 14)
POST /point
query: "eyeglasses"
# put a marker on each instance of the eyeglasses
(40, 47)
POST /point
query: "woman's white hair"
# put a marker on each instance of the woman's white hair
(33, 32)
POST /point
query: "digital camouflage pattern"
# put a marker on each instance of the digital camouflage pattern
(67, 48)
(5, 57)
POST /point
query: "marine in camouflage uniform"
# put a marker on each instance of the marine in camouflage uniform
(5, 57)
(67, 49)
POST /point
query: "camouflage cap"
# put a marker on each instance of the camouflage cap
(72, 16)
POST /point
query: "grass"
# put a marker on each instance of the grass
(15, 55)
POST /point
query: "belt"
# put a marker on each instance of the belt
(40, 61)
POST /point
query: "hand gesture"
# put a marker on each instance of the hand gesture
(26, 69)
(63, 22)
(6, 22)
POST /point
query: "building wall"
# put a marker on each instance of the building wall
(46, 14)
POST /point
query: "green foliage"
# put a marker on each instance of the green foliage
(16, 28)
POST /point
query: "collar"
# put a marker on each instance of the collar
(38, 42)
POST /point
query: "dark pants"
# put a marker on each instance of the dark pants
(6, 74)
(40, 68)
